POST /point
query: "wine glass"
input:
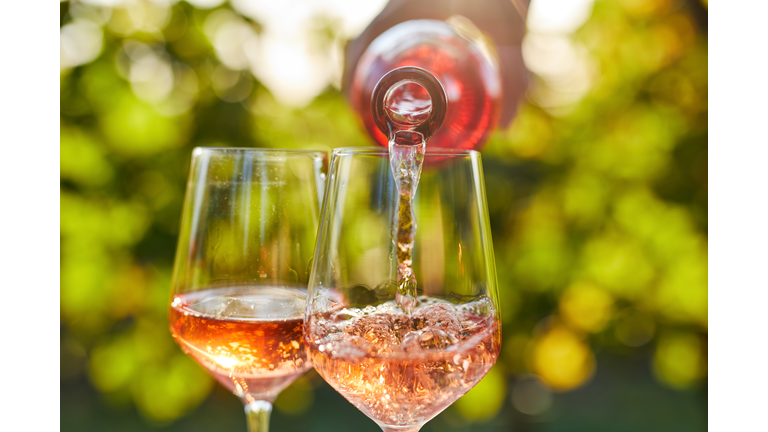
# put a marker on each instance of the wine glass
(239, 282)
(402, 369)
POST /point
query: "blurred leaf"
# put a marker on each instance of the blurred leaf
(677, 361)
(297, 399)
(562, 359)
(586, 307)
(486, 398)
(82, 159)
(134, 128)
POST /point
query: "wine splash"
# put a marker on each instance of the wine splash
(402, 370)
(408, 104)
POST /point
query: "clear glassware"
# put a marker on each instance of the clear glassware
(401, 370)
(239, 283)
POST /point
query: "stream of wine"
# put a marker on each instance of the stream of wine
(406, 156)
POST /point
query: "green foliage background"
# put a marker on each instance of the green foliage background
(598, 211)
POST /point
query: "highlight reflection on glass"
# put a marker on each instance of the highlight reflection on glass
(239, 285)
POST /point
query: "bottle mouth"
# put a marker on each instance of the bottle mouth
(407, 104)
(408, 98)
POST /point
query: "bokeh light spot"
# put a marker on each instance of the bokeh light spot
(113, 364)
(558, 16)
(486, 398)
(80, 42)
(298, 398)
(678, 360)
(634, 328)
(530, 395)
(586, 306)
(563, 359)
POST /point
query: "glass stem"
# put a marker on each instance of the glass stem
(400, 428)
(257, 415)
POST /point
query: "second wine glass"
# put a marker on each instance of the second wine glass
(239, 283)
(399, 367)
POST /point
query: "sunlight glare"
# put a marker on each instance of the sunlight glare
(80, 42)
(205, 4)
(558, 16)
(225, 362)
(286, 56)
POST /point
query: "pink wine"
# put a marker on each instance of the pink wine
(248, 338)
(402, 370)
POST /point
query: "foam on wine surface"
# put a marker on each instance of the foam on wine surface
(249, 338)
(403, 370)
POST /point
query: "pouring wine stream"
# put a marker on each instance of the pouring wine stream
(408, 104)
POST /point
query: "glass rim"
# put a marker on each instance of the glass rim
(384, 151)
(200, 150)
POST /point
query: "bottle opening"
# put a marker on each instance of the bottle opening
(408, 104)
(408, 98)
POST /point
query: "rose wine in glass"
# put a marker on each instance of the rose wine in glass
(238, 293)
(248, 338)
(400, 369)
(402, 356)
